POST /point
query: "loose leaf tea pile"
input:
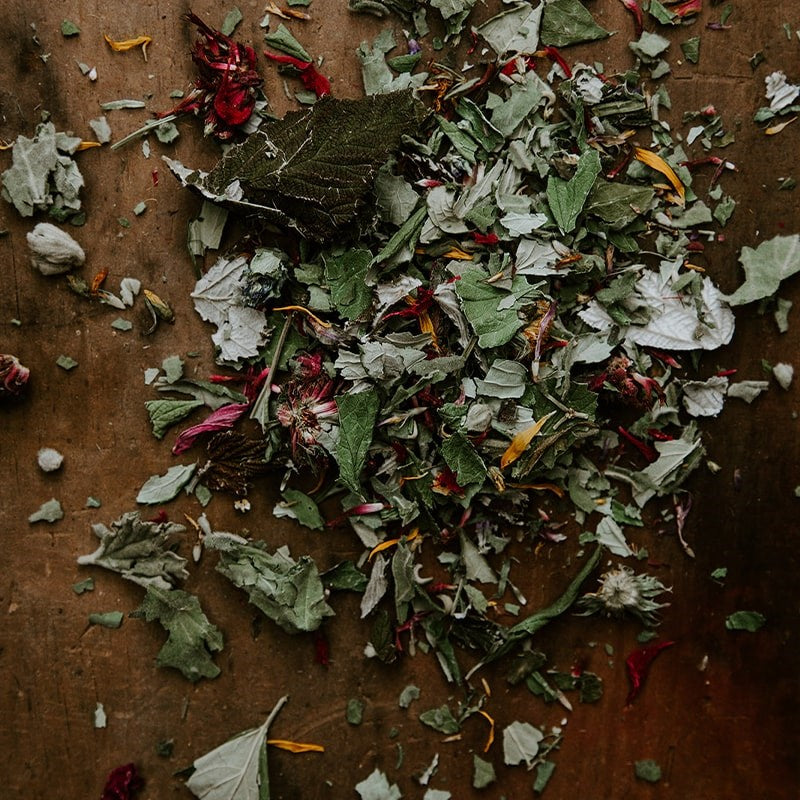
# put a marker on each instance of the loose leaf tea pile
(464, 321)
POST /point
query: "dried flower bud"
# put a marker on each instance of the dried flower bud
(49, 460)
(13, 376)
(621, 591)
(53, 251)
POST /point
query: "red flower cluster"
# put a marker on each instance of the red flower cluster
(13, 376)
(122, 783)
(634, 389)
(224, 93)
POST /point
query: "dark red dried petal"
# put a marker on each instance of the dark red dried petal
(636, 10)
(311, 78)
(638, 666)
(322, 649)
(122, 783)
(485, 238)
(13, 376)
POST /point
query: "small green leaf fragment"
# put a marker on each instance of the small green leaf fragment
(140, 208)
(440, 719)
(83, 586)
(463, 459)
(482, 773)
(283, 40)
(691, 49)
(750, 621)
(719, 574)
(120, 324)
(355, 711)
(231, 21)
(567, 198)
(66, 362)
(173, 368)
(544, 771)
(408, 695)
(567, 22)
(50, 511)
(647, 770)
(107, 619)
(124, 222)
(69, 28)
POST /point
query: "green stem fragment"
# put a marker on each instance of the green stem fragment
(260, 410)
(536, 621)
(150, 125)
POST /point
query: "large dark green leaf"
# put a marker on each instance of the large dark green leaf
(312, 169)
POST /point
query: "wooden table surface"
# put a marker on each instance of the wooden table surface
(719, 711)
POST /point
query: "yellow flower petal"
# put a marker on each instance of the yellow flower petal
(129, 44)
(521, 441)
(549, 487)
(87, 146)
(490, 738)
(659, 165)
(305, 311)
(771, 131)
(379, 548)
(296, 747)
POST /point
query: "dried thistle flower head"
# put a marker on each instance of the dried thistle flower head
(13, 376)
(622, 590)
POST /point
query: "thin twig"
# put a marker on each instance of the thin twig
(260, 410)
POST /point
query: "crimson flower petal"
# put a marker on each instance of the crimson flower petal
(638, 666)
(220, 420)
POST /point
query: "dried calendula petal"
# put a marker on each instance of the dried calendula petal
(521, 441)
(296, 747)
(129, 44)
(657, 163)
(159, 306)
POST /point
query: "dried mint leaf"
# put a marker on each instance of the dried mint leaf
(357, 414)
(567, 22)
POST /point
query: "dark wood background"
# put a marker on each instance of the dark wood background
(728, 730)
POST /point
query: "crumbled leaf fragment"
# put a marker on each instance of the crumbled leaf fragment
(355, 711)
(376, 786)
(120, 324)
(750, 621)
(99, 716)
(168, 412)
(408, 695)
(289, 592)
(765, 267)
(521, 743)
(107, 619)
(231, 21)
(483, 773)
(83, 586)
(544, 771)
(567, 22)
(567, 198)
(440, 719)
(647, 770)
(691, 49)
(69, 28)
(298, 505)
(192, 638)
(66, 362)
(50, 511)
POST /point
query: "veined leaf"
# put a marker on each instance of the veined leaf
(236, 770)
(312, 170)
(357, 414)
(566, 198)
(567, 22)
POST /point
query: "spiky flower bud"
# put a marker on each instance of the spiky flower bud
(623, 591)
